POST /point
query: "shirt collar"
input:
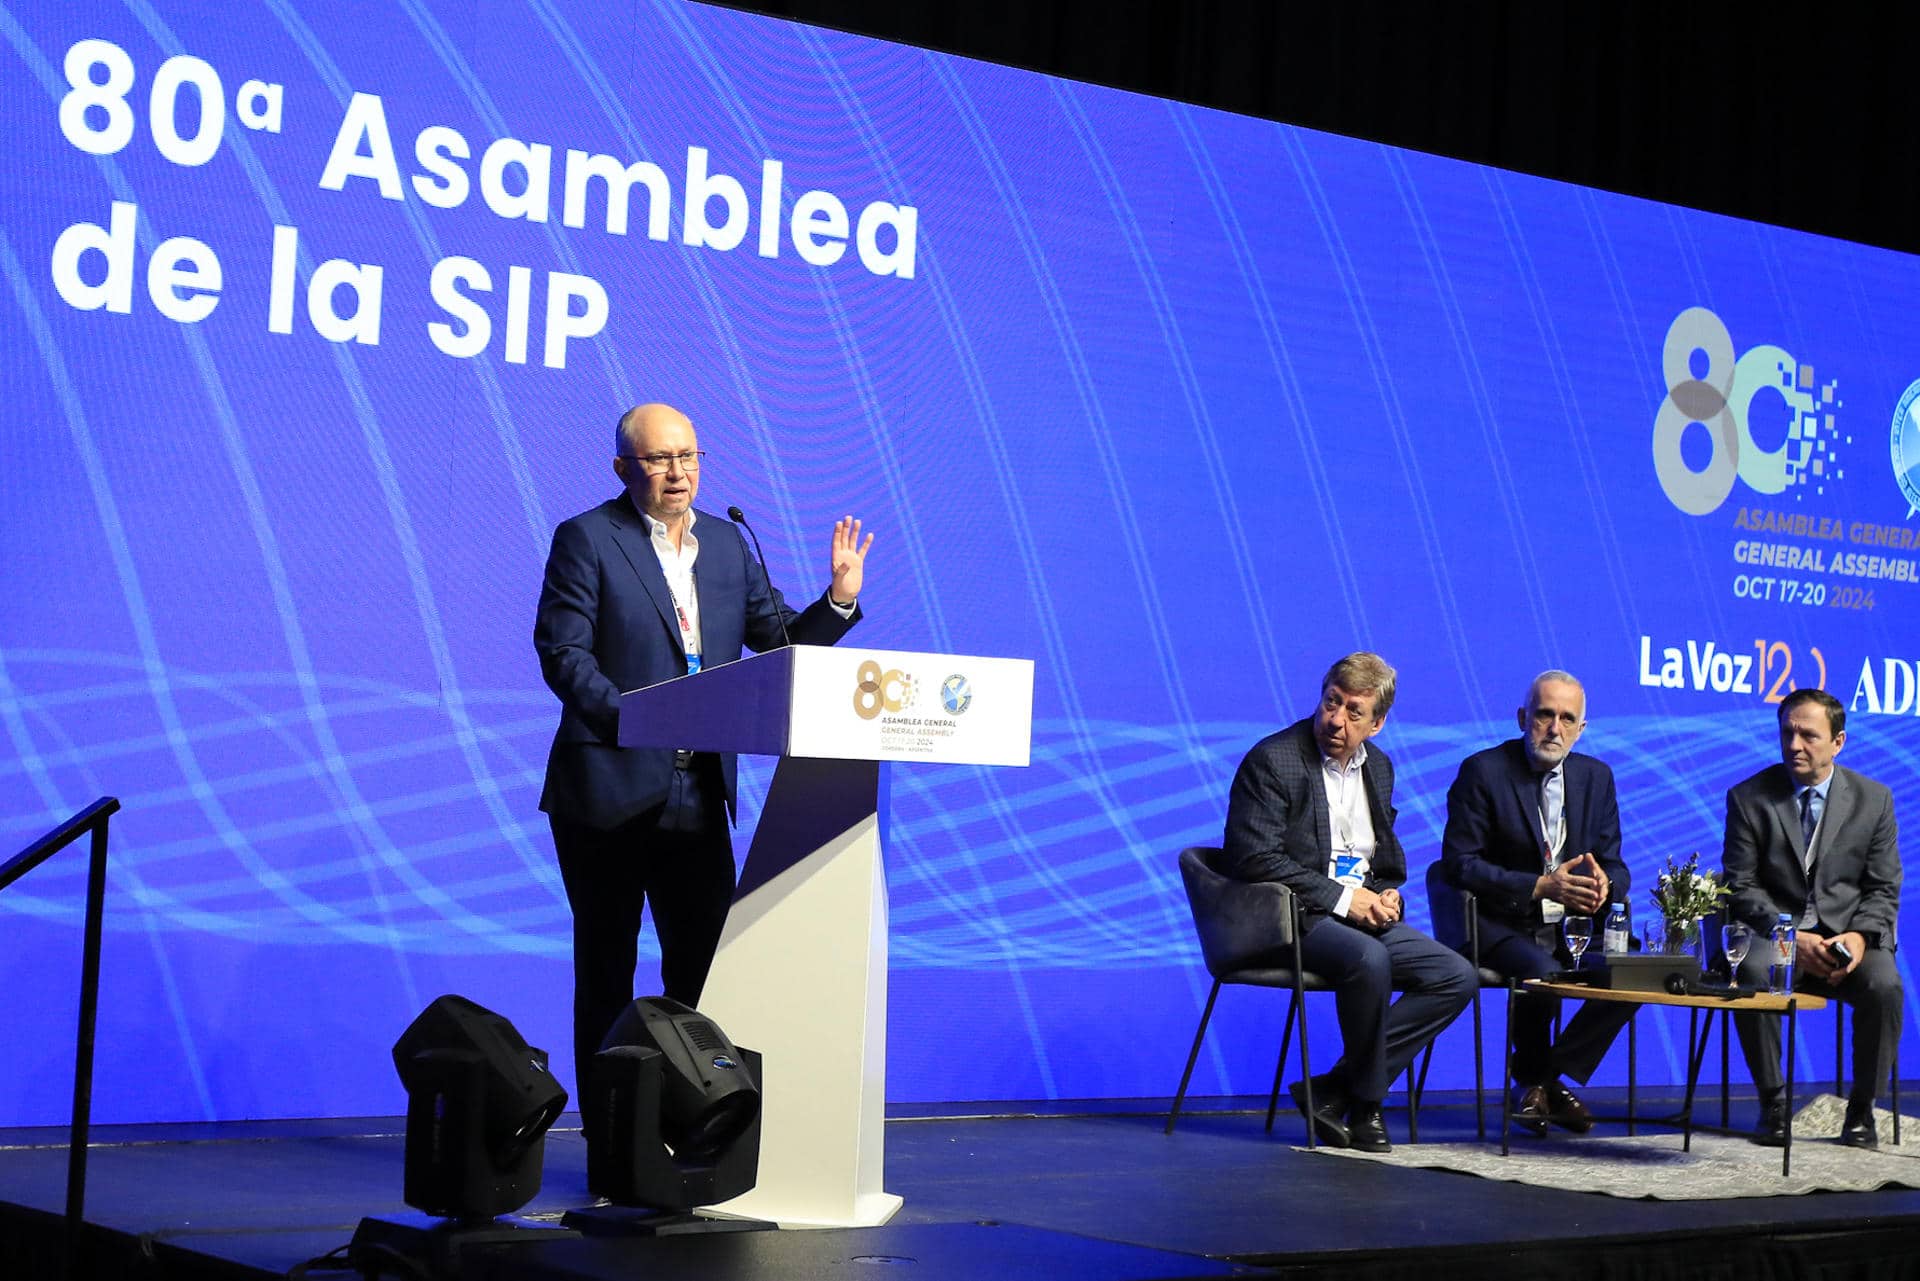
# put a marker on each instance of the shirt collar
(1822, 789)
(1352, 766)
(656, 528)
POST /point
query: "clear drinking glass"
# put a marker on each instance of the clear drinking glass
(1578, 932)
(1736, 940)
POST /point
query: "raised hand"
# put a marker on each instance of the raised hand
(848, 560)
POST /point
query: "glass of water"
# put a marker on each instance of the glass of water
(1578, 932)
(1736, 940)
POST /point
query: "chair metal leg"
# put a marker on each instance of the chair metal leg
(1479, 1075)
(1193, 1056)
(1413, 1101)
(1306, 1065)
(1280, 1064)
(1839, 1045)
(1894, 1087)
(1506, 1095)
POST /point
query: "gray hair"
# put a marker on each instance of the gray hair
(1363, 672)
(1555, 675)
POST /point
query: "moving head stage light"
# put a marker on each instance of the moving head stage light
(681, 1105)
(479, 1102)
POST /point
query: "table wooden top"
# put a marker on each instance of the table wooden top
(1802, 1001)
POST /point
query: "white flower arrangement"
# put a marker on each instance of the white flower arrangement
(1685, 893)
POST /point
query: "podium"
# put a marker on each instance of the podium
(801, 973)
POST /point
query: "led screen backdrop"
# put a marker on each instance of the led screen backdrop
(318, 318)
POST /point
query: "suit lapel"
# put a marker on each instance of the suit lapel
(1573, 808)
(1317, 790)
(1383, 838)
(1839, 806)
(1526, 795)
(630, 535)
(1787, 814)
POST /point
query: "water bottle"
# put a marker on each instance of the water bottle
(1780, 972)
(1614, 941)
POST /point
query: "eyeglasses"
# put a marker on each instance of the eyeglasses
(661, 464)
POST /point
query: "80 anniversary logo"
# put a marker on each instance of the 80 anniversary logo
(1720, 397)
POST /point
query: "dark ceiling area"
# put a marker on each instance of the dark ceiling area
(1802, 115)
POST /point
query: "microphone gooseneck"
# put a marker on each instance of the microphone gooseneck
(739, 518)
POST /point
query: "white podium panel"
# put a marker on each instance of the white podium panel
(890, 705)
(801, 973)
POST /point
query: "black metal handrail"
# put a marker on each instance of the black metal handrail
(91, 819)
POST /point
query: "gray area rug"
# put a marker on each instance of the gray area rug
(1651, 1163)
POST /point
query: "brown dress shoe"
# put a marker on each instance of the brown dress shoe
(1567, 1110)
(1530, 1108)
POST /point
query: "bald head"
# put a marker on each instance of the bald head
(656, 458)
(630, 431)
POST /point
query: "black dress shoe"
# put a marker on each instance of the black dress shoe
(1858, 1130)
(1366, 1128)
(1530, 1108)
(1327, 1107)
(1772, 1130)
(1567, 1110)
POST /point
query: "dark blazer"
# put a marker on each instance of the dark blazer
(606, 624)
(1493, 847)
(1277, 823)
(1856, 872)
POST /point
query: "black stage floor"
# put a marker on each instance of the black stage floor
(1100, 1194)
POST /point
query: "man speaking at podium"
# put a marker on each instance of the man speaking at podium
(641, 589)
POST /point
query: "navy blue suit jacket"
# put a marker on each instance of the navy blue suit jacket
(1493, 846)
(1278, 827)
(606, 624)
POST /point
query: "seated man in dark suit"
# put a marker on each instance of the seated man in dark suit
(1533, 832)
(1816, 841)
(1312, 808)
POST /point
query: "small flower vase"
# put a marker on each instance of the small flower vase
(1682, 936)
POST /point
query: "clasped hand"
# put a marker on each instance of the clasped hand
(1374, 911)
(1580, 885)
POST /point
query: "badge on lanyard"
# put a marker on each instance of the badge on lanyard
(686, 633)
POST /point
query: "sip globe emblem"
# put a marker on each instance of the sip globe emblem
(1906, 447)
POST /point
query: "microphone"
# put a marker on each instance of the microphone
(739, 518)
(1681, 985)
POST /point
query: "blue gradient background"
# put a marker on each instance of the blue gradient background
(1181, 405)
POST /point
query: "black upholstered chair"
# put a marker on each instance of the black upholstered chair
(1456, 923)
(1250, 935)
